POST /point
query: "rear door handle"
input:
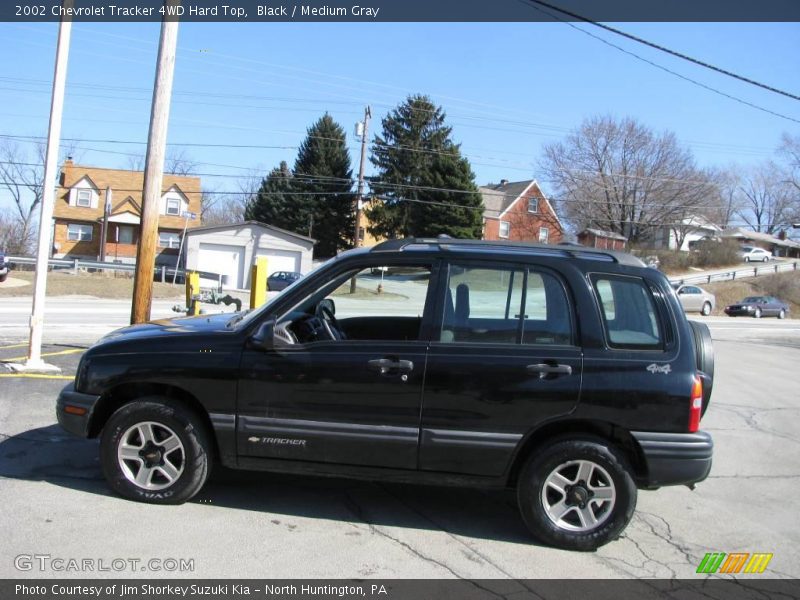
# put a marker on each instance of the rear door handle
(388, 365)
(543, 370)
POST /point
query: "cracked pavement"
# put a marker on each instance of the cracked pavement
(263, 525)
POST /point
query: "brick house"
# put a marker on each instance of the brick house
(90, 199)
(519, 211)
(606, 240)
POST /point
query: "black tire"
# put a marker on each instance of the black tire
(560, 454)
(765, 259)
(747, 259)
(704, 357)
(3, 277)
(162, 416)
(706, 309)
(782, 314)
(757, 314)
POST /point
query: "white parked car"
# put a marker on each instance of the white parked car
(695, 299)
(754, 254)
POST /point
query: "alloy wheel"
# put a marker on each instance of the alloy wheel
(151, 455)
(578, 495)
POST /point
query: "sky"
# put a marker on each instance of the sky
(506, 88)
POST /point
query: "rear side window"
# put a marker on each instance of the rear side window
(505, 306)
(629, 313)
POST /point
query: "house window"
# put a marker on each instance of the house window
(125, 234)
(173, 206)
(533, 205)
(361, 232)
(169, 239)
(505, 228)
(84, 198)
(79, 233)
(544, 234)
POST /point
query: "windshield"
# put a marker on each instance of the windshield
(244, 318)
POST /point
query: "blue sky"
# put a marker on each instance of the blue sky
(507, 89)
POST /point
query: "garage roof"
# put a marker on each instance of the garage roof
(251, 224)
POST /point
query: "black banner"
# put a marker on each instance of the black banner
(401, 10)
(394, 589)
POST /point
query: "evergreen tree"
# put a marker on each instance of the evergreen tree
(427, 186)
(322, 172)
(276, 203)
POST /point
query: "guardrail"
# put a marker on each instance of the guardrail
(755, 271)
(162, 272)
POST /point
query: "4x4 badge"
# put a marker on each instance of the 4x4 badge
(654, 368)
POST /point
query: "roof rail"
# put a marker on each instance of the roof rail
(574, 251)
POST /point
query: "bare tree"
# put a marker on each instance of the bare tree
(228, 207)
(768, 203)
(22, 176)
(12, 237)
(620, 176)
(177, 162)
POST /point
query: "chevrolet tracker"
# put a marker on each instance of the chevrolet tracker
(569, 374)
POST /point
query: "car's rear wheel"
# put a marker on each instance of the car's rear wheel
(155, 450)
(765, 259)
(577, 493)
(782, 314)
(706, 309)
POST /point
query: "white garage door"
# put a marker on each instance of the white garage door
(223, 260)
(280, 260)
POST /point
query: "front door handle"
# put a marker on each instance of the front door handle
(543, 370)
(388, 366)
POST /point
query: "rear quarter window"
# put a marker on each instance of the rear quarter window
(629, 312)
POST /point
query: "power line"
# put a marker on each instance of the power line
(666, 50)
(657, 66)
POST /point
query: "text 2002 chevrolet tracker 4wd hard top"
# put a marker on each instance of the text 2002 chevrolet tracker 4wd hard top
(569, 374)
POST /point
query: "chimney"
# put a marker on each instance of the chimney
(503, 182)
(782, 234)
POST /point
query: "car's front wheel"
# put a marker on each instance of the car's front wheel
(155, 450)
(757, 314)
(577, 494)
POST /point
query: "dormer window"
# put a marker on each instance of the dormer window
(84, 198)
(173, 206)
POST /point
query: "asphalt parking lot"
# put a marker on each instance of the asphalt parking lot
(56, 503)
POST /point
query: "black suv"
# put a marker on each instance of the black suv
(567, 373)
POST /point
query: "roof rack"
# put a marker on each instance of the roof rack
(566, 251)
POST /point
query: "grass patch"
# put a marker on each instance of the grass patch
(364, 293)
(97, 285)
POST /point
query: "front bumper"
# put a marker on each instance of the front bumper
(739, 312)
(675, 458)
(81, 407)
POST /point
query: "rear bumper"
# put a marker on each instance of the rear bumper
(70, 421)
(675, 458)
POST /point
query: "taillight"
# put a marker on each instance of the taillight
(696, 404)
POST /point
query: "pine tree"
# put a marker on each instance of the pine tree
(322, 171)
(277, 203)
(427, 186)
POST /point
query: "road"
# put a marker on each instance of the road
(262, 525)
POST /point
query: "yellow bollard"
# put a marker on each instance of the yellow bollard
(258, 282)
(192, 290)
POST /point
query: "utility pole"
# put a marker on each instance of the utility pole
(154, 167)
(104, 227)
(34, 361)
(360, 193)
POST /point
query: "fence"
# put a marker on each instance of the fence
(163, 273)
(763, 269)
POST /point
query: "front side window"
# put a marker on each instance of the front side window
(505, 229)
(84, 198)
(504, 306)
(168, 239)
(375, 303)
(629, 312)
(79, 233)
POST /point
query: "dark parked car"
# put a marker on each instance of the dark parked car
(280, 280)
(568, 374)
(3, 267)
(758, 306)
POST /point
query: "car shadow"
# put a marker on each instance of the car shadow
(51, 455)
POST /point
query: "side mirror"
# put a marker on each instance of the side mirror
(263, 338)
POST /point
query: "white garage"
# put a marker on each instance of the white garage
(230, 250)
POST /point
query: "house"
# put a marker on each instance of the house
(365, 238)
(93, 200)
(687, 230)
(230, 251)
(779, 246)
(519, 211)
(605, 240)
